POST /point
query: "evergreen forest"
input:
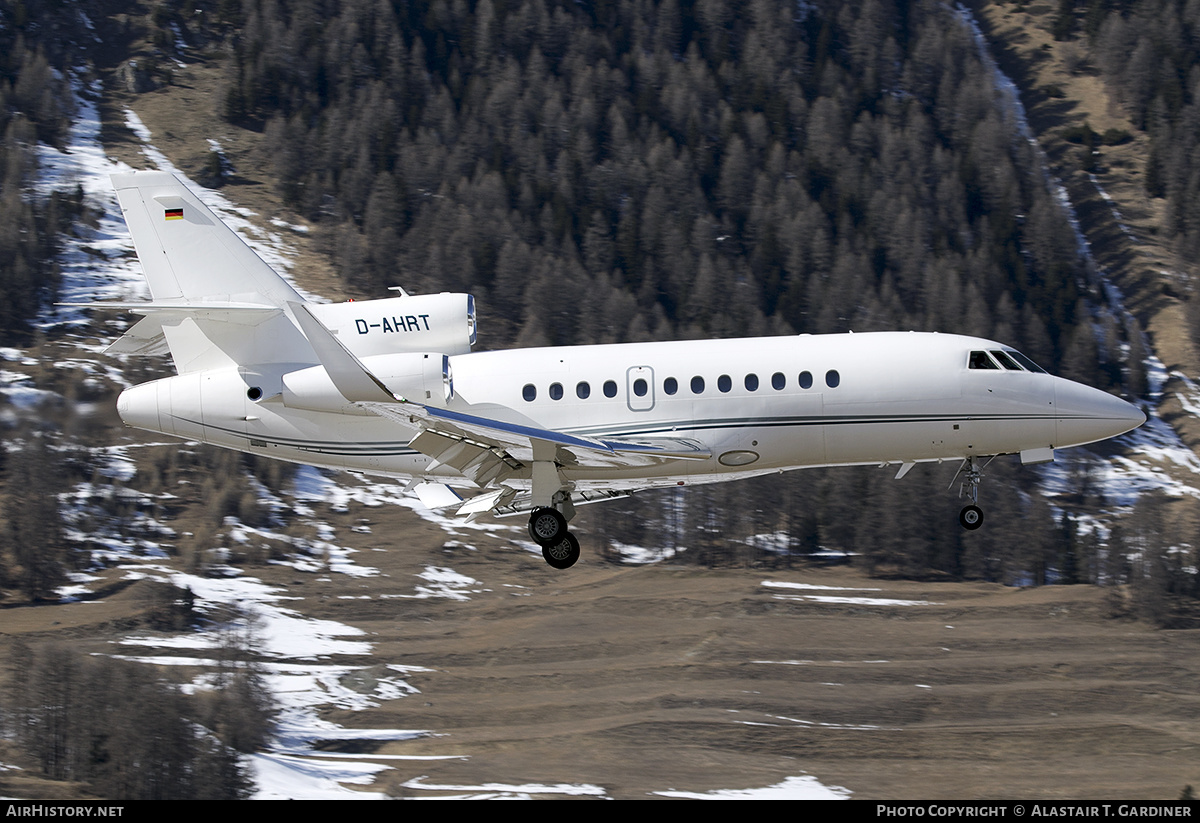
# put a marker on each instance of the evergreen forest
(637, 170)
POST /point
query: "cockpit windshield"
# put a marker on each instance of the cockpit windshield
(1005, 361)
(980, 360)
(1026, 362)
(1009, 359)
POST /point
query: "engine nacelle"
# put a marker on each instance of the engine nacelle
(414, 323)
(422, 377)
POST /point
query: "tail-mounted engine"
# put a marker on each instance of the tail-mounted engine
(421, 377)
(413, 323)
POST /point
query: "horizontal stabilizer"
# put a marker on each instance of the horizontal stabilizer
(149, 335)
(250, 313)
(145, 338)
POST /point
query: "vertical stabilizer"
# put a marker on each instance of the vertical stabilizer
(187, 252)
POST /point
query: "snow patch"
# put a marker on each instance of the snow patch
(803, 787)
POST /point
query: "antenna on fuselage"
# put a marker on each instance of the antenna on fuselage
(400, 289)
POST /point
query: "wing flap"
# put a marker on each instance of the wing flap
(480, 462)
(483, 503)
(522, 503)
(436, 495)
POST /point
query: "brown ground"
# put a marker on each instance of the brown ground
(643, 679)
(652, 678)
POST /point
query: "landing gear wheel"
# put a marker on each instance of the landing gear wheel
(547, 526)
(971, 517)
(563, 554)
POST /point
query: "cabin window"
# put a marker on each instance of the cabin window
(752, 382)
(610, 388)
(1026, 362)
(529, 392)
(639, 387)
(806, 380)
(832, 378)
(583, 391)
(980, 360)
(724, 383)
(670, 385)
(778, 381)
(1006, 361)
(697, 385)
(556, 391)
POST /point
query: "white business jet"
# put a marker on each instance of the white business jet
(391, 387)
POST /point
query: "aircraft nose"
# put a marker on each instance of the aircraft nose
(1085, 415)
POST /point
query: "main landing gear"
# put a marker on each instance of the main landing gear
(548, 528)
(971, 516)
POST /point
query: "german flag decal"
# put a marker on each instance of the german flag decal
(173, 214)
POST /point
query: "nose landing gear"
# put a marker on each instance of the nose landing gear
(971, 516)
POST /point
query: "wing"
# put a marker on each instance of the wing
(488, 448)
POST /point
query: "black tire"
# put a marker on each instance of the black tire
(563, 554)
(971, 517)
(547, 526)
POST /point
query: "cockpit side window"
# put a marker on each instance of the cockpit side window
(1005, 361)
(980, 360)
(1026, 362)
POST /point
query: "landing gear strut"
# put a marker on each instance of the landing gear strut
(971, 516)
(548, 528)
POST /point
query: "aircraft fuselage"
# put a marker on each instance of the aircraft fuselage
(755, 405)
(391, 387)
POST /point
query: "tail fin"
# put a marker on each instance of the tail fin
(187, 252)
(203, 278)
